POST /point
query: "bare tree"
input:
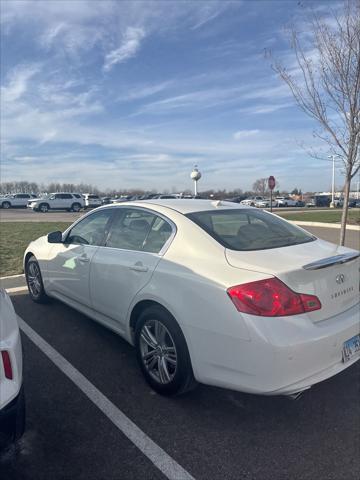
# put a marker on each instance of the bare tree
(260, 186)
(326, 85)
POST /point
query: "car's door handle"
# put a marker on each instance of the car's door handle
(139, 267)
(84, 259)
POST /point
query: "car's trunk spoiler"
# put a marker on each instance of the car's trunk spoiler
(335, 260)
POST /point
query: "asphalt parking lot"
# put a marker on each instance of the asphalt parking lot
(209, 433)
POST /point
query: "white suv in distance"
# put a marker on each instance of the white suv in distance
(285, 202)
(17, 200)
(92, 200)
(12, 404)
(58, 201)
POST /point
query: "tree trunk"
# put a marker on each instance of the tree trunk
(345, 209)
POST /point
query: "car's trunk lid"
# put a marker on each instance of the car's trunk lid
(316, 268)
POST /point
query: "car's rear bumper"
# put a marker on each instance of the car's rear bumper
(12, 419)
(272, 363)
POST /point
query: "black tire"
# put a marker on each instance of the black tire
(6, 205)
(44, 207)
(75, 207)
(36, 287)
(20, 416)
(181, 378)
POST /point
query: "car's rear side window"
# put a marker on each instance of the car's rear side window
(243, 229)
(136, 229)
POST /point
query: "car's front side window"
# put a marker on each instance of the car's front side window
(91, 230)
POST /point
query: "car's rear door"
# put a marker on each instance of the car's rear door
(70, 262)
(125, 264)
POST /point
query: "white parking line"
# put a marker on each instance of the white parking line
(167, 465)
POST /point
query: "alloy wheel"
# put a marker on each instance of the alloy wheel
(34, 279)
(158, 351)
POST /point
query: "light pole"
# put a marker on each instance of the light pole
(195, 175)
(332, 204)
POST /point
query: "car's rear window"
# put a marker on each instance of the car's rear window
(94, 197)
(245, 229)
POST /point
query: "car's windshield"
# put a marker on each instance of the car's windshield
(243, 229)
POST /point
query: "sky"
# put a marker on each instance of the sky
(134, 94)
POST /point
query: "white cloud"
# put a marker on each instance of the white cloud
(240, 134)
(129, 47)
(143, 91)
(18, 82)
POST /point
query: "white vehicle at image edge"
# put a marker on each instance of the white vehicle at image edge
(12, 405)
(92, 200)
(208, 291)
(58, 201)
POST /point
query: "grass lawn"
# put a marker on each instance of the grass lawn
(15, 237)
(326, 216)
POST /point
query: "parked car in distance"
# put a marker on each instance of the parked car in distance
(251, 201)
(92, 200)
(18, 200)
(12, 404)
(165, 196)
(285, 202)
(300, 203)
(208, 291)
(354, 203)
(237, 199)
(58, 201)
(265, 203)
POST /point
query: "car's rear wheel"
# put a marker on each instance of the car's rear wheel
(75, 207)
(6, 205)
(34, 281)
(44, 207)
(162, 352)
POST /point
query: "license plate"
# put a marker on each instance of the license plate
(350, 348)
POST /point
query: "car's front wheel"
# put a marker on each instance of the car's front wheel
(76, 207)
(34, 281)
(162, 352)
(44, 207)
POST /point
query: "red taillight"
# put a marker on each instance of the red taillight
(7, 364)
(271, 298)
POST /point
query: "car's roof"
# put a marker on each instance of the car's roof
(184, 206)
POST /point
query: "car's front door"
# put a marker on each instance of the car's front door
(69, 264)
(125, 264)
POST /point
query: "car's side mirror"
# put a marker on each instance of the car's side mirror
(55, 237)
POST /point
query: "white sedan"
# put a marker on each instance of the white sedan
(208, 291)
(12, 406)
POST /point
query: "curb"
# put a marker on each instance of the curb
(356, 228)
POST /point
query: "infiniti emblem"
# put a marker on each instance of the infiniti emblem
(340, 278)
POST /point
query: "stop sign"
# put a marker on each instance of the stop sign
(271, 182)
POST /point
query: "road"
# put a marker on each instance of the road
(211, 433)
